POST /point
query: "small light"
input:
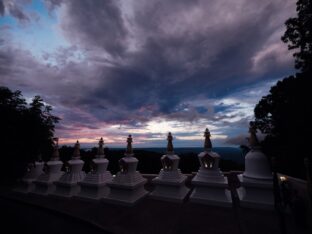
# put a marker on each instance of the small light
(283, 178)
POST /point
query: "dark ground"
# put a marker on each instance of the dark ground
(38, 214)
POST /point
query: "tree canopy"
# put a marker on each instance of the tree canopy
(26, 132)
(285, 113)
(298, 35)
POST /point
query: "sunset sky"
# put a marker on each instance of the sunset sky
(110, 68)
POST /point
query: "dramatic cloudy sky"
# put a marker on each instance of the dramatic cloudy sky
(145, 67)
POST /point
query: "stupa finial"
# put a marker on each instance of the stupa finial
(253, 140)
(129, 145)
(208, 144)
(169, 145)
(55, 154)
(76, 153)
(100, 152)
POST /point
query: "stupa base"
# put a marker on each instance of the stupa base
(43, 188)
(66, 190)
(211, 196)
(92, 192)
(25, 186)
(44, 185)
(67, 185)
(213, 192)
(126, 197)
(170, 190)
(126, 189)
(256, 193)
(94, 187)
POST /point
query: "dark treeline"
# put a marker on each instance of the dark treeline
(26, 133)
(149, 161)
(285, 113)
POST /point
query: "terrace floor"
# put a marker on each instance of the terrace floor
(39, 214)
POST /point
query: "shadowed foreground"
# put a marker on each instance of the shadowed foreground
(38, 214)
(20, 216)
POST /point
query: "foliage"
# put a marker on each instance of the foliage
(298, 35)
(26, 131)
(284, 114)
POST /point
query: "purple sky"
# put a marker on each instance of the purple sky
(146, 67)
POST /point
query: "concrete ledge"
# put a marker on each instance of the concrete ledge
(125, 199)
(91, 184)
(177, 198)
(221, 184)
(199, 200)
(256, 205)
(131, 186)
(169, 182)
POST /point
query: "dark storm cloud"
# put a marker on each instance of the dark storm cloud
(146, 59)
(238, 140)
(15, 9)
(95, 24)
(1, 8)
(52, 4)
(169, 66)
(5, 63)
(223, 107)
(243, 139)
(16, 12)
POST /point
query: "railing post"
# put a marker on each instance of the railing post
(277, 198)
(308, 167)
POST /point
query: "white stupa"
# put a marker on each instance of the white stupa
(67, 185)
(34, 169)
(44, 184)
(210, 185)
(257, 181)
(94, 186)
(127, 187)
(170, 183)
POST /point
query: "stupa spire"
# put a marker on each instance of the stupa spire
(55, 154)
(100, 152)
(170, 145)
(208, 144)
(253, 140)
(129, 150)
(76, 153)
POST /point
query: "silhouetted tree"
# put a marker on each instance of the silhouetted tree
(26, 132)
(285, 113)
(298, 35)
(41, 128)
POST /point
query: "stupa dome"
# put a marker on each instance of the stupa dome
(256, 163)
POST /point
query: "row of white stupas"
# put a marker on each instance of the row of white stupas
(127, 186)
